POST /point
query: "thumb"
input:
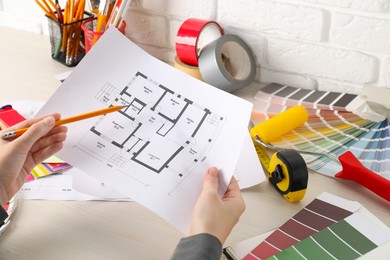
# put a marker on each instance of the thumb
(211, 180)
(36, 131)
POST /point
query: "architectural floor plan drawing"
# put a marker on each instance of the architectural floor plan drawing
(159, 130)
(157, 149)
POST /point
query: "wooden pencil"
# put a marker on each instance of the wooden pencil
(47, 12)
(68, 120)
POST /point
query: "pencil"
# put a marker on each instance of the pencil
(68, 120)
(47, 12)
(48, 8)
(52, 4)
(65, 28)
(59, 12)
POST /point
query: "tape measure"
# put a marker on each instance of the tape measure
(288, 173)
(287, 170)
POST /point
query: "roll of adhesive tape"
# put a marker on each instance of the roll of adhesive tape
(227, 63)
(192, 36)
(189, 69)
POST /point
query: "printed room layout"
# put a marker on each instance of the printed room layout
(159, 130)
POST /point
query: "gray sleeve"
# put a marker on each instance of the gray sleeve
(3, 215)
(201, 246)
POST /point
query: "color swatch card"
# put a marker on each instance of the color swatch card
(321, 213)
(47, 168)
(350, 238)
(329, 227)
(338, 122)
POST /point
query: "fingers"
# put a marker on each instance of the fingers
(211, 180)
(233, 190)
(57, 134)
(233, 185)
(30, 122)
(35, 132)
(233, 193)
(47, 152)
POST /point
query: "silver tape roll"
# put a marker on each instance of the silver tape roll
(227, 63)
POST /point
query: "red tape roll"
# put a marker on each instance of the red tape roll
(192, 36)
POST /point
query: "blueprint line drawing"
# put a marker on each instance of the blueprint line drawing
(157, 149)
(158, 132)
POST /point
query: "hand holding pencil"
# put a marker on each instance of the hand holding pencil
(18, 157)
(68, 120)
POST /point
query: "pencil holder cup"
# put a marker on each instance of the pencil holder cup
(90, 36)
(67, 40)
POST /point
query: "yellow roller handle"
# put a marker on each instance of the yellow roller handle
(280, 124)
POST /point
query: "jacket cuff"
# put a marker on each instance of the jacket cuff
(3, 215)
(200, 246)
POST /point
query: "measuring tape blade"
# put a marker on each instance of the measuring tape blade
(262, 155)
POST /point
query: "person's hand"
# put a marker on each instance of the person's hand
(20, 155)
(215, 215)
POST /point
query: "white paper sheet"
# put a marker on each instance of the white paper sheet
(63, 76)
(53, 187)
(249, 171)
(61, 187)
(157, 149)
(87, 184)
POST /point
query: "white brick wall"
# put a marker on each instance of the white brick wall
(358, 32)
(321, 61)
(272, 18)
(337, 45)
(381, 6)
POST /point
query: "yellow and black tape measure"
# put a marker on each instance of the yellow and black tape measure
(286, 169)
(288, 173)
